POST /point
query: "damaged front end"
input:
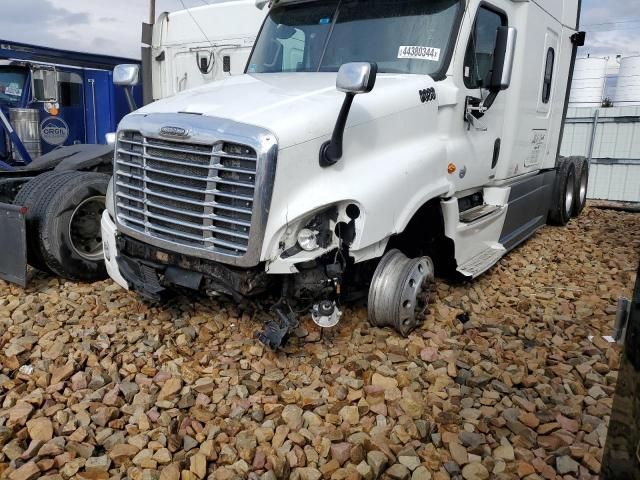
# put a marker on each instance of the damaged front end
(152, 272)
(317, 287)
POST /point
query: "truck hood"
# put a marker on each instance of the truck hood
(296, 107)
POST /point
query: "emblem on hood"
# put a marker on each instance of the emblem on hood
(174, 132)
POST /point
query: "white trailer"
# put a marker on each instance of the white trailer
(437, 153)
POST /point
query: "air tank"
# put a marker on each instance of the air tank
(589, 78)
(628, 89)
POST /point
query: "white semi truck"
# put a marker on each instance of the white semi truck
(370, 146)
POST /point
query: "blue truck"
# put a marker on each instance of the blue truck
(57, 108)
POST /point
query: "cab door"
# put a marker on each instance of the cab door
(99, 109)
(539, 152)
(62, 118)
(71, 101)
(483, 131)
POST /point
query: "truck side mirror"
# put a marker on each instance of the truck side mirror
(503, 59)
(127, 76)
(45, 85)
(353, 79)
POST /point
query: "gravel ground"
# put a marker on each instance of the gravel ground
(95, 384)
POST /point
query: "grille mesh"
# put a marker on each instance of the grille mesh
(199, 196)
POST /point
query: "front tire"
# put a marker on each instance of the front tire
(564, 194)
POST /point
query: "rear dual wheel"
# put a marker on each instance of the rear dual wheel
(64, 210)
(570, 192)
(581, 185)
(564, 194)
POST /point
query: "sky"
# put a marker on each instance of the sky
(113, 26)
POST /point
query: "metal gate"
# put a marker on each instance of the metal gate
(610, 138)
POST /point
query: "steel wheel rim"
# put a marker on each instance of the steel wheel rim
(583, 187)
(415, 295)
(85, 233)
(568, 198)
(399, 293)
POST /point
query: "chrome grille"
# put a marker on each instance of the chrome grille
(194, 195)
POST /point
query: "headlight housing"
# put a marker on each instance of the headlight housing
(308, 240)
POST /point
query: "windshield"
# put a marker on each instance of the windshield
(12, 83)
(401, 36)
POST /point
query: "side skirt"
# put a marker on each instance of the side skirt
(510, 215)
(529, 203)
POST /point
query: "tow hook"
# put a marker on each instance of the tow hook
(326, 314)
(276, 332)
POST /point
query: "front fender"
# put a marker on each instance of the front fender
(73, 158)
(390, 168)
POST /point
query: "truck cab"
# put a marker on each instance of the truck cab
(56, 109)
(368, 146)
(53, 99)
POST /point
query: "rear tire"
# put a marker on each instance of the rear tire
(69, 235)
(582, 185)
(563, 196)
(29, 197)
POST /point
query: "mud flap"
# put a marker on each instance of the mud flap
(13, 244)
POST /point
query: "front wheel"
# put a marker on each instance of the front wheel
(399, 292)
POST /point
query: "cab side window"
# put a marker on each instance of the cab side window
(548, 75)
(70, 89)
(478, 59)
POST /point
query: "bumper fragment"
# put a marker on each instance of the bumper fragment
(110, 250)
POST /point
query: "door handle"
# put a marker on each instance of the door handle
(473, 111)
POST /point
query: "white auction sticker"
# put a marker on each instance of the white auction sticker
(419, 53)
(13, 90)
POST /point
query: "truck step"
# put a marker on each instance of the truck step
(482, 262)
(478, 212)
